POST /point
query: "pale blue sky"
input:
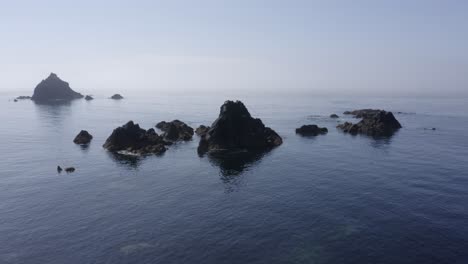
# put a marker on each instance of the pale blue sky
(318, 47)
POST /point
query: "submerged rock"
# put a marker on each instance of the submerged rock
(88, 98)
(83, 138)
(380, 123)
(235, 128)
(135, 140)
(175, 130)
(54, 89)
(201, 130)
(311, 130)
(116, 97)
(361, 113)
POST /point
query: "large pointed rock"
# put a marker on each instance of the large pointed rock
(54, 89)
(235, 128)
(130, 138)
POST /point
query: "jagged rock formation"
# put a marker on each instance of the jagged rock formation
(311, 130)
(380, 123)
(117, 97)
(175, 130)
(135, 140)
(54, 89)
(83, 138)
(201, 130)
(235, 128)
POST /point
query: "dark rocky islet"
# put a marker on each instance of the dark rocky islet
(373, 123)
(116, 97)
(311, 130)
(83, 138)
(132, 139)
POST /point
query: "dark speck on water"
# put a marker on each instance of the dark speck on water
(337, 198)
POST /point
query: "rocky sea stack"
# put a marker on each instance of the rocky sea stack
(54, 89)
(377, 123)
(311, 130)
(175, 130)
(132, 139)
(235, 129)
(83, 138)
(88, 98)
(117, 97)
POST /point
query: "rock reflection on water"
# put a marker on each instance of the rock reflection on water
(232, 164)
(126, 161)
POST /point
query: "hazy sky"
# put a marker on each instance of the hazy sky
(400, 47)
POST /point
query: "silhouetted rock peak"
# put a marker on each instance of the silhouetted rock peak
(54, 89)
(236, 129)
(375, 123)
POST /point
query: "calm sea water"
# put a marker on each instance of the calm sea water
(335, 198)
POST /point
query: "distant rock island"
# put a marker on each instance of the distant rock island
(235, 129)
(373, 123)
(117, 97)
(88, 98)
(54, 89)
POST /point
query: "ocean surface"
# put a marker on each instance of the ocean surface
(334, 198)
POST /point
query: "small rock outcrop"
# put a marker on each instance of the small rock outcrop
(135, 140)
(334, 116)
(311, 130)
(201, 130)
(380, 123)
(175, 130)
(83, 138)
(54, 89)
(117, 97)
(88, 98)
(361, 113)
(69, 169)
(59, 169)
(235, 128)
